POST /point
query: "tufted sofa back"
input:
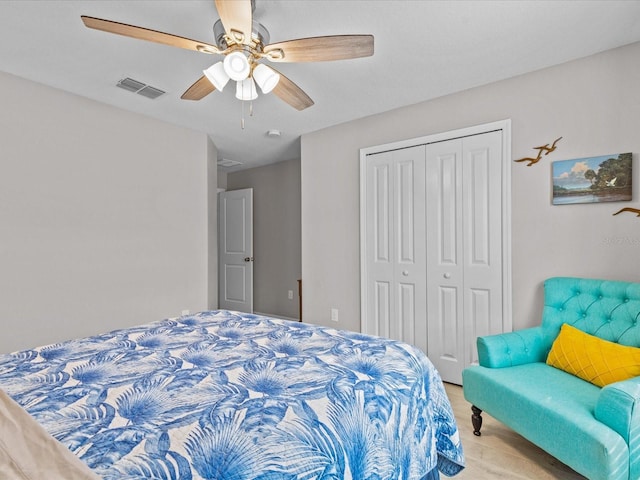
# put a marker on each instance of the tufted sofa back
(604, 308)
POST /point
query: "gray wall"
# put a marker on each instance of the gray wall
(594, 103)
(276, 234)
(103, 216)
(222, 179)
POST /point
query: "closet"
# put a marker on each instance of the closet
(435, 248)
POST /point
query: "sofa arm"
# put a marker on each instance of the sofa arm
(618, 407)
(512, 348)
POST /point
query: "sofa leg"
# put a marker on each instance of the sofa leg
(476, 420)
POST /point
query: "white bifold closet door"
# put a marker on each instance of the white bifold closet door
(433, 247)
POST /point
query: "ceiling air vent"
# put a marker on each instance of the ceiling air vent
(140, 88)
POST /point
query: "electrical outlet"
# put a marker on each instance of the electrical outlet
(290, 295)
(334, 314)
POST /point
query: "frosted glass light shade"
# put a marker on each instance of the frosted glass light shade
(266, 77)
(246, 89)
(217, 76)
(236, 66)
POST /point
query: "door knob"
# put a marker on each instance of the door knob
(447, 275)
(405, 273)
(248, 259)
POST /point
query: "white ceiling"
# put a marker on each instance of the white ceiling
(423, 50)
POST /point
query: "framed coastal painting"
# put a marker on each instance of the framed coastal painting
(606, 178)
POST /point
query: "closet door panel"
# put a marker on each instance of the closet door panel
(444, 268)
(409, 198)
(380, 245)
(482, 202)
(395, 246)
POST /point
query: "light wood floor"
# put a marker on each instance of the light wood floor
(500, 453)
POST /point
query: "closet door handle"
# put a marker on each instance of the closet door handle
(405, 273)
(447, 275)
(248, 259)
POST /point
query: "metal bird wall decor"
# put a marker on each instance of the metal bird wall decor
(629, 209)
(546, 149)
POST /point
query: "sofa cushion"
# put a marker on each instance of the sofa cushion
(593, 359)
(552, 409)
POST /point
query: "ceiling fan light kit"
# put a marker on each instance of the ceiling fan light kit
(217, 75)
(246, 90)
(244, 43)
(237, 66)
(266, 78)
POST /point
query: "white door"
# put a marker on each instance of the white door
(235, 247)
(464, 248)
(455, 284)
(395, 229)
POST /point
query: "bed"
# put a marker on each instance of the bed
(226, 395)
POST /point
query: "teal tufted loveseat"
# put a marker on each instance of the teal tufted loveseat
(596, 431)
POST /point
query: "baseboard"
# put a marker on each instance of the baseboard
(282, 317)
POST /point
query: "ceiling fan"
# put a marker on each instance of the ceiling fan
(244, 43)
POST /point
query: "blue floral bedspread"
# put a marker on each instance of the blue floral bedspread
(224, 395)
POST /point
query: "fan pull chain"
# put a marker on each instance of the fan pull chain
(250, 108)
(242, 119)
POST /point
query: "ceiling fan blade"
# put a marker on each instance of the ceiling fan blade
(147, 34)
(291, 93)
(200, 89)
(320, 49)
(237, 19)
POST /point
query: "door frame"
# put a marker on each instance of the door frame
(505, 126)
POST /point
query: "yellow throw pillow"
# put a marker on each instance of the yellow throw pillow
(593, 359)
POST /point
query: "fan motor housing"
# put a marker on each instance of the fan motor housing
(259, 35)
